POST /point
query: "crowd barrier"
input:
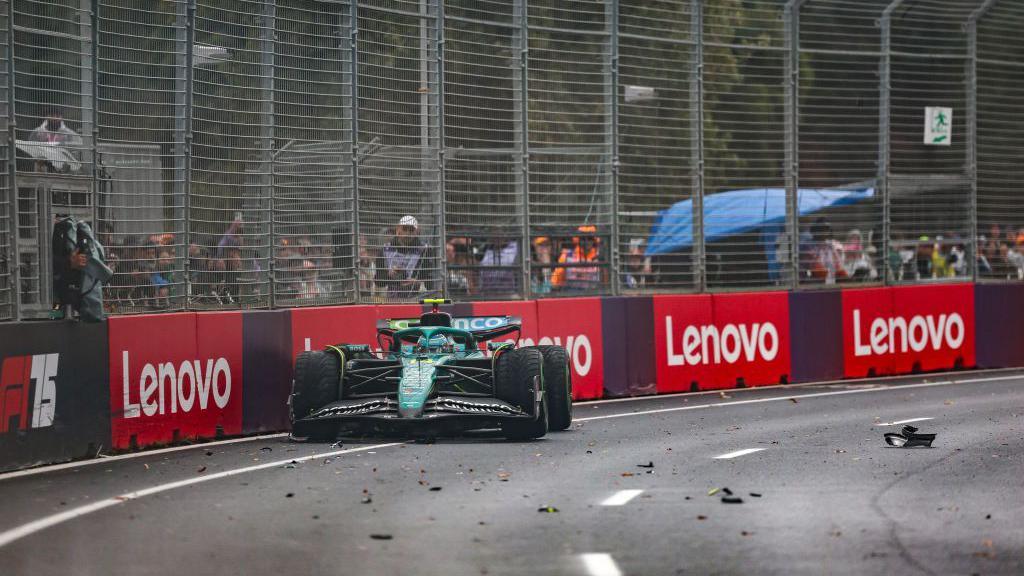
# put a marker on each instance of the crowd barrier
(68, 390)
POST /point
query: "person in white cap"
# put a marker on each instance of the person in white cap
(402, 259)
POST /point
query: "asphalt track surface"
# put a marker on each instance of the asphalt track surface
(833, 498)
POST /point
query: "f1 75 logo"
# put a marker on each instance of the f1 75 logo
(28, 381)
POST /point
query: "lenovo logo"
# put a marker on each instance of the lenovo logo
(710, 345)
(28, 392)
(169, 387)
(897, 334)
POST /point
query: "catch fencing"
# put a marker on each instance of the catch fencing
(276, 153)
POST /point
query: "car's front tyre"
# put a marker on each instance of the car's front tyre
(314, 385)
(518, 375)
(557, 386)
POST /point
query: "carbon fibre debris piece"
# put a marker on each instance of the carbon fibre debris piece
(908, 437)
(732, 500)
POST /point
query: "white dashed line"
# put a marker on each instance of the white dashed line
(743, 452)
(621, 497)
(45, 522)
(601, 565)
(898, 422)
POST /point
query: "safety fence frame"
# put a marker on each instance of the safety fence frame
(262, 153)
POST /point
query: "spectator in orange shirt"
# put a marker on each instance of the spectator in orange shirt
(584, 249)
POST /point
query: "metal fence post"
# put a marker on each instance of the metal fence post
(268, 26)
(971, 160)
(92, 93)
(354, 110)
(884, 71)
(612, 103)
(697, 142)
(190, 40)
(12, 172)
(441, 185)
(524, 122)
(791, 25)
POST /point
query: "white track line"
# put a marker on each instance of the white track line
(796, 397)
(898, 422)
(107, 459)
(848, 381)
(600, 565)
(24, 530)
(621, 497)
(737, 453)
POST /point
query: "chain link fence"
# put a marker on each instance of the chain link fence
(264, 153)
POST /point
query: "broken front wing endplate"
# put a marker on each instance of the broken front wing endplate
(909, 438)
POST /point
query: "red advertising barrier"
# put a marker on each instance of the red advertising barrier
(314, 328)
(708, 342)
(574, 323)
(907, 329)
(175, 376)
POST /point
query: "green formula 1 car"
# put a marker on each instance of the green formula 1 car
(433, 378)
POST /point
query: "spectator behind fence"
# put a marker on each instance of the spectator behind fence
(503, 253)
(400, 266)
(856, 262)
(827, 263)
(310, 287)
(584, 249)
(53, 130)
(540, 283)
(367, 267)
(636, 267)
(459, 261)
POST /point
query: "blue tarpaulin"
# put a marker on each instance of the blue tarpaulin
(738, 211)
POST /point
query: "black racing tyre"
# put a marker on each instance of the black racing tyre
(557, 386)
(514, 374)
(314, 385)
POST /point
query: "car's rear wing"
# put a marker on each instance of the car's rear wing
(483, 328)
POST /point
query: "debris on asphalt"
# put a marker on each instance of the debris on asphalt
(755, 494)
(794, 400)
(732, 500)
(367, 500)
(201, 469)
(908, 437)
(713, 491)
(627, 474)
(209, 453)
(435, 488)
(701, 517)
(745, 533)
(381, 536)
(724, 395)
(590, 451)
(503, 476)
(266, 449)
(337, 444)
(648, 465)
(548, 509)
(147, 466)
(289, 465)
(289, 495)
(727, 491)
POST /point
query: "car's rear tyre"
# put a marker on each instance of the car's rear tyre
(516, 373)
(314, 385)
(557, 386)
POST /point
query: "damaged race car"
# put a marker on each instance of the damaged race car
(432, 378)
